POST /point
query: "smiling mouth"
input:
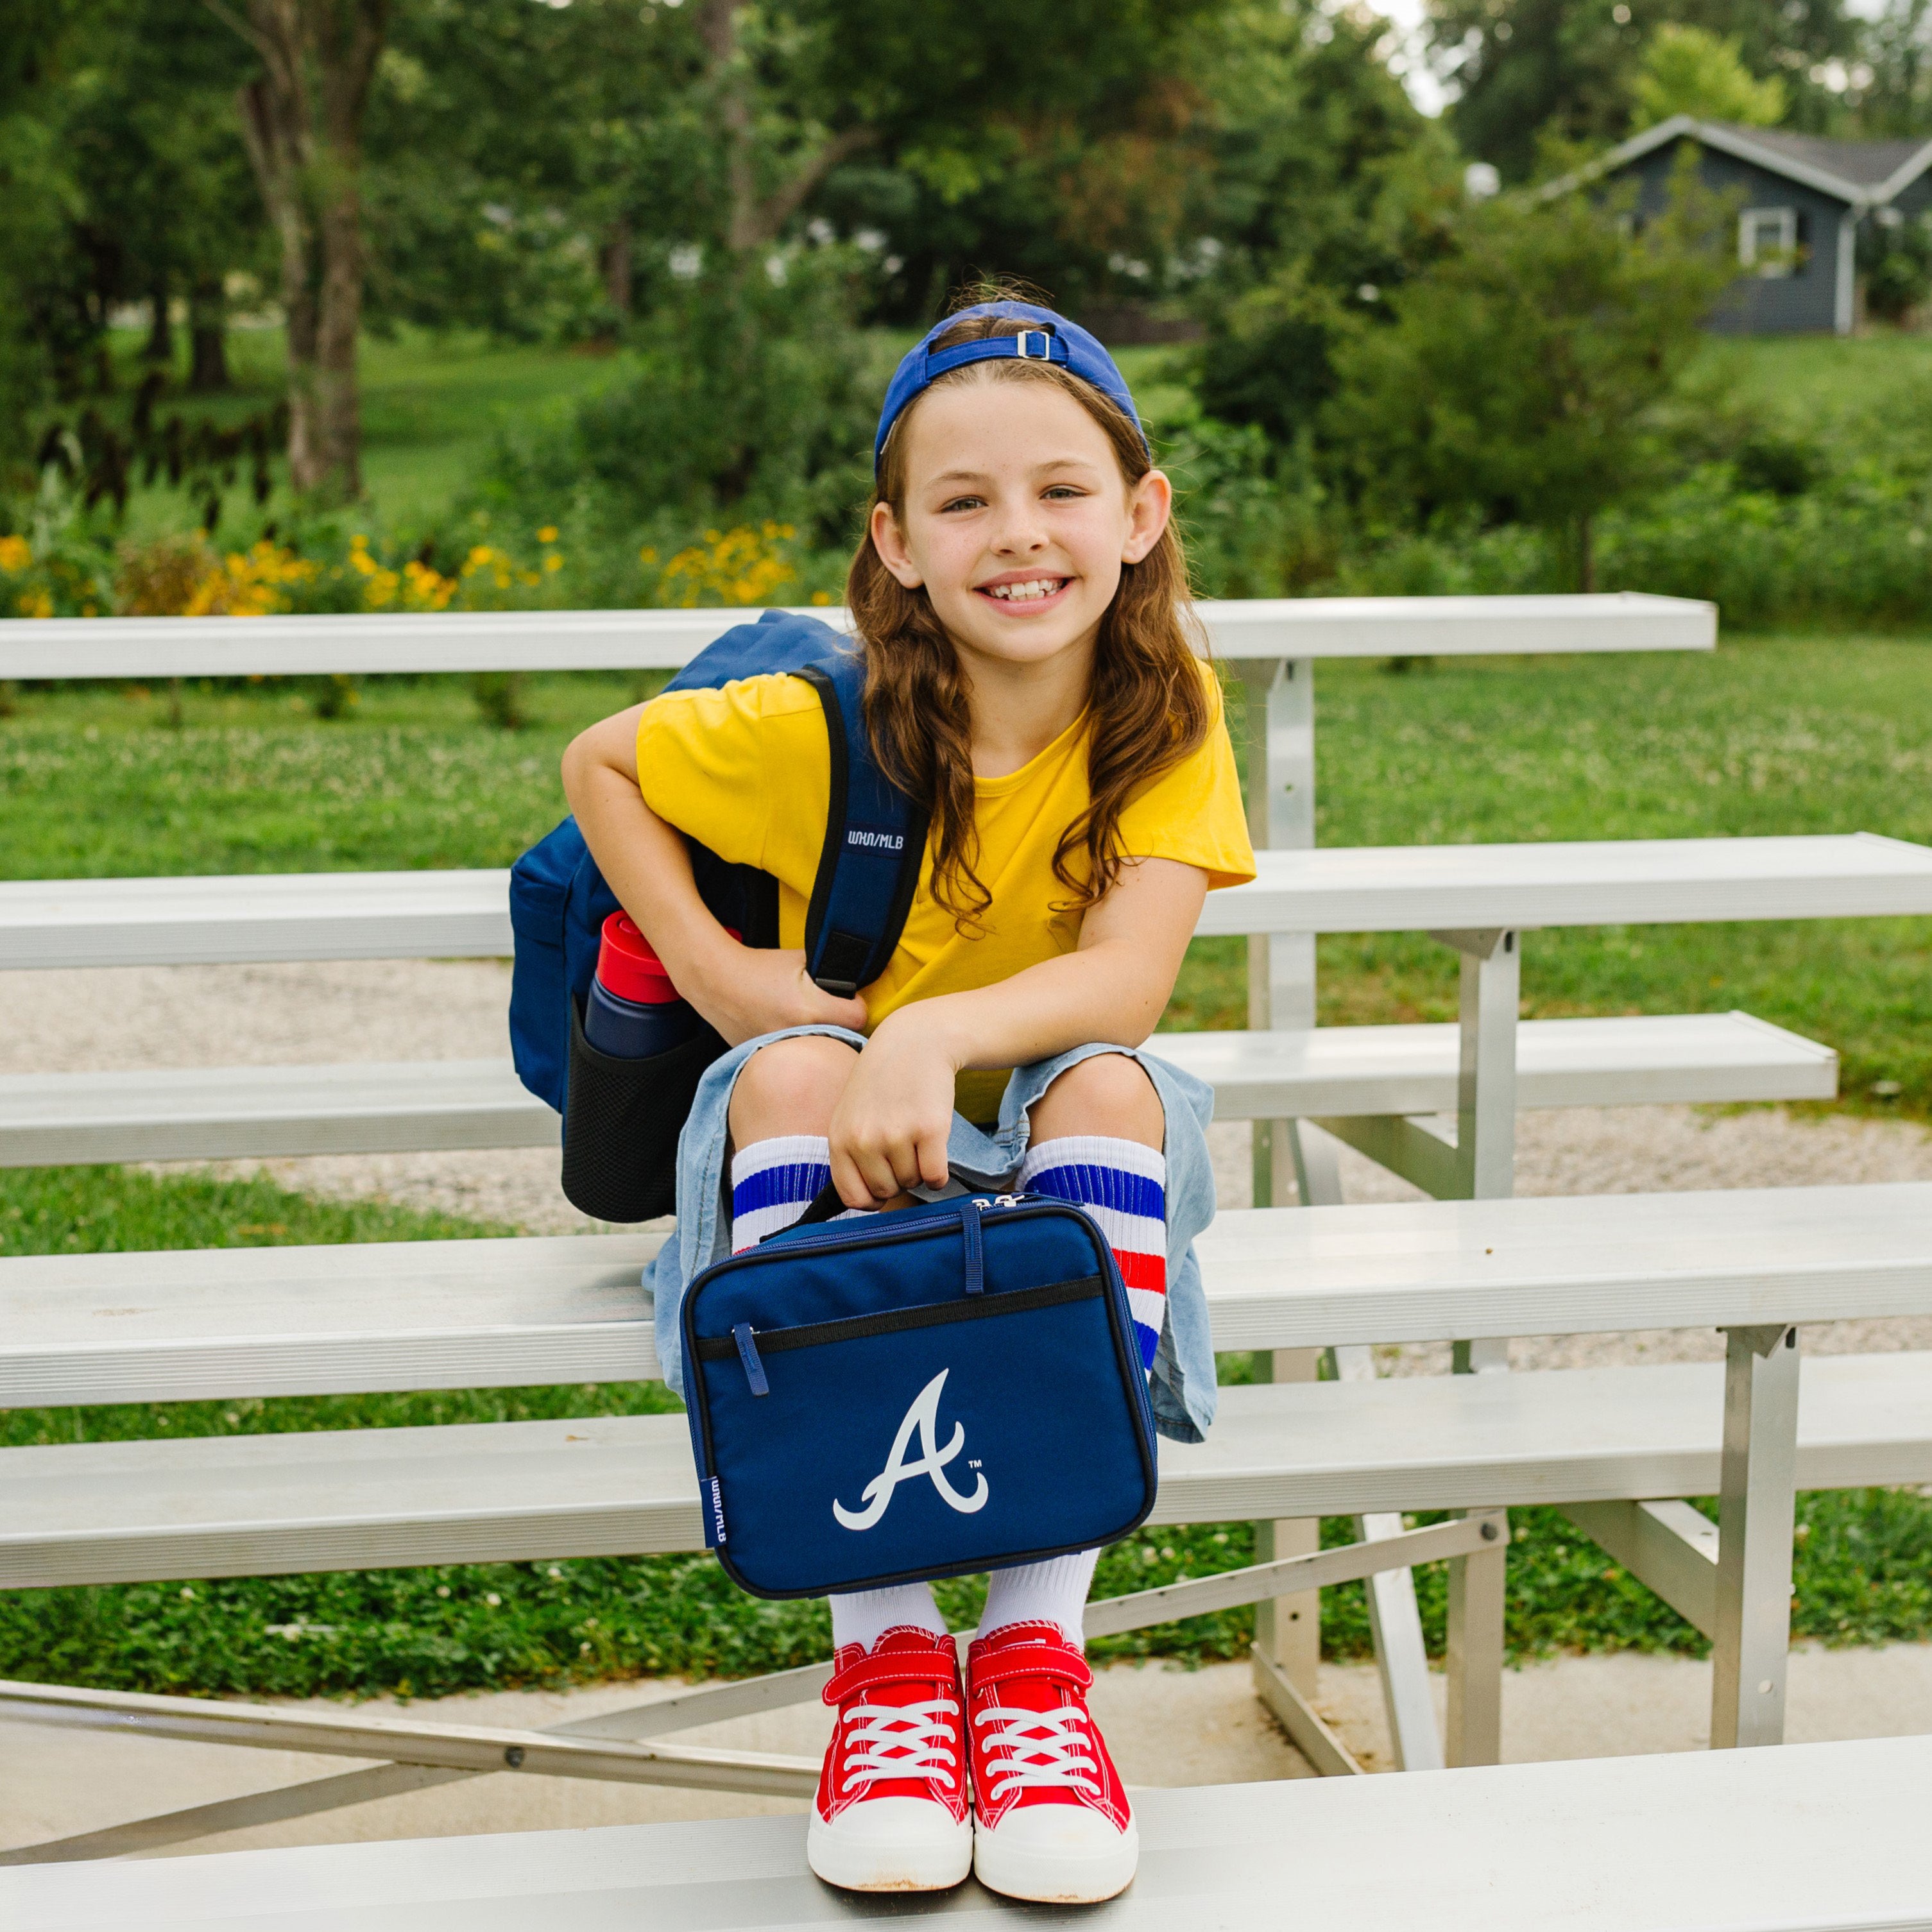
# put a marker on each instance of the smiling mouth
(1034, 590)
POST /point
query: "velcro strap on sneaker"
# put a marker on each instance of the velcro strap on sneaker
(941, 1665)
(1068, 1666)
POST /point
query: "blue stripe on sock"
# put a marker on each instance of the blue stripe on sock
(1149, 1341)
(796, 1181)
(1089, 1184)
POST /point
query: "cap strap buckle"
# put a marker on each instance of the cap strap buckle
(1046, 345)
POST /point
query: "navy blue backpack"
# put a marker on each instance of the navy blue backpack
(928, 1392)
(621, 1118)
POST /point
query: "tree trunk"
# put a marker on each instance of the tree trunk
(617, 269)
(160, 344)
(301, 121)
(1586, 554)
(752, 222)
(208, 338)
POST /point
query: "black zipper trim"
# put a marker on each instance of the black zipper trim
(896, 1320)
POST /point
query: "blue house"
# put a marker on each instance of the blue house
(1802, 201)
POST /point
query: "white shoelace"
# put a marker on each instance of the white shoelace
(899, 1741)
(1061, 1757)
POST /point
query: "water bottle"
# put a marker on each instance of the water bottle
(634, 1011)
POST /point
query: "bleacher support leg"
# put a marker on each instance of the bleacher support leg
(1475, 1659)
(1396, 1624)
(1757, 1503)
(1489, 999)
(1288, 1630)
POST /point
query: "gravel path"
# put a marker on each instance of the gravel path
(156, 1016)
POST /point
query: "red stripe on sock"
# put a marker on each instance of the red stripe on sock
(1140, 1270)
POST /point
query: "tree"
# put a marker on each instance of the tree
(34, 194)
(1891, 90)
(166, 203)
(1526, 72)
(1525, 377)
(1687, 70)
(1325, 191)
(301, 121)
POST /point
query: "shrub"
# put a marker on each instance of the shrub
(748, 398)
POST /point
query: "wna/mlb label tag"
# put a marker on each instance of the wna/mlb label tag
(869, 838)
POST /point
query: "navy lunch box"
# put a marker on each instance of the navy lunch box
(936, 1389)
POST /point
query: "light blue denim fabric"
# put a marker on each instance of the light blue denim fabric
(1183, 1386)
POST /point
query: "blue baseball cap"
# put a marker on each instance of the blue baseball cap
(1046, 337)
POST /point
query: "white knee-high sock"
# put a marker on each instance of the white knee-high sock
(1052, 1592)
(864, 1616)
(773, 1183)
(1123, 1185)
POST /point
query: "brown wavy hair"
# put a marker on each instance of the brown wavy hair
(1149, 706)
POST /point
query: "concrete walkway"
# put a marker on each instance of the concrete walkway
(1166, 1726)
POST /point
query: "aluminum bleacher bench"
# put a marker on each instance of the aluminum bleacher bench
(1612, 1444)
(1815, 1838)
(78, 922)
(1475, 898)
(217, 1113)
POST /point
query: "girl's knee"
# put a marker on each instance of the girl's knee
(1106, 1094)
(789, 1087)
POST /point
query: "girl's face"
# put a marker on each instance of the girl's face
(1017, 518)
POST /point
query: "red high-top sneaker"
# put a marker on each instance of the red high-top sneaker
(1051, 1818)
(891, 1813)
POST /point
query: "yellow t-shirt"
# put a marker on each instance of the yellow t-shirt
(744, 769)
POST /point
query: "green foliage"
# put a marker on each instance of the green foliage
(1535, 75)
(753, 395)
(1690, 70)
(1252, 515)
(1523, 376)
(1327, 189)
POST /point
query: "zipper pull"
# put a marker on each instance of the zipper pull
(969, 1229)
(748, 1354)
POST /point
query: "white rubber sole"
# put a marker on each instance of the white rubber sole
(1075, 1871)
(892, 1844)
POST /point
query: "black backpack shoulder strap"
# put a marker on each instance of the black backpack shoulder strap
(875, 843)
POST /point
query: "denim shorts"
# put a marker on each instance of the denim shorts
(1183, 1382)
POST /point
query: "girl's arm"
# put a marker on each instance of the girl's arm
(890, 1128)
(743, 990)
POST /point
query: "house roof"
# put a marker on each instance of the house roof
(1864, 163)
(1864, 174)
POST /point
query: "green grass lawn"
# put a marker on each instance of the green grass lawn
(1805, 377)
(1769, 736)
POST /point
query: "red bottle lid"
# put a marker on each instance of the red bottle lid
(628, 969)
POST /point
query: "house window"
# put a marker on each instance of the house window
(1768, 240)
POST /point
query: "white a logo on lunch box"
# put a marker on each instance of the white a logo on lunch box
(923, 1416)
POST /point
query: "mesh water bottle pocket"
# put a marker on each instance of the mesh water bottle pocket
(621, 1122)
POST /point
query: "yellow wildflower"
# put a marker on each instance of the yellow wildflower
(547, 534)
(15, 553)
(734, 567)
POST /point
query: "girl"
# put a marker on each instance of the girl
(1021, 598)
